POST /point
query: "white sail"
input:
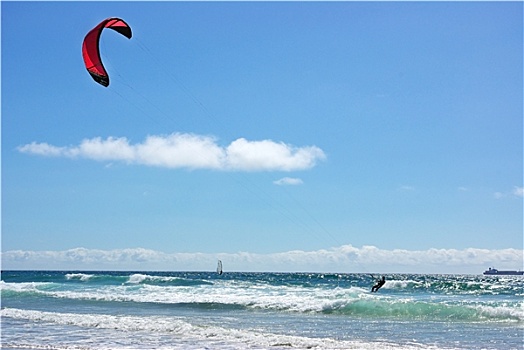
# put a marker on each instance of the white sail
(219, 267)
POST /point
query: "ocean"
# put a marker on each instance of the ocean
(203, 310)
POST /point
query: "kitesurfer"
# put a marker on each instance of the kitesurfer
(379, 284)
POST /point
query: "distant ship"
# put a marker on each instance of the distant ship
(502, 272)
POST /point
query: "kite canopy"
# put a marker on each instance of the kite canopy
(91, 49)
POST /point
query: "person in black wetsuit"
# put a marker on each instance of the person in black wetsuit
(379, 284)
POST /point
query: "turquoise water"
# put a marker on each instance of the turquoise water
(202, 310)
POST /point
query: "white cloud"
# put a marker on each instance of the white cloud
(338, 259)
(288, 181)
(188, 151)
(499, 195)
(516, 192)
(43, 149)
(269, 155)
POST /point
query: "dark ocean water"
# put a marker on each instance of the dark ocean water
(204, 310)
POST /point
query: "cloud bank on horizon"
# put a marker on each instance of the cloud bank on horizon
(190, 151)
(345, 258)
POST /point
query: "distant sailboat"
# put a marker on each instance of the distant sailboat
(219, 267)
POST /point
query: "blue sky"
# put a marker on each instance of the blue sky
(273, 130)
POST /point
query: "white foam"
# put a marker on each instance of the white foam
(139, 278)
(258, 296)
(23, 286)
(503, 312)
(80, 276)
(183, 335)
